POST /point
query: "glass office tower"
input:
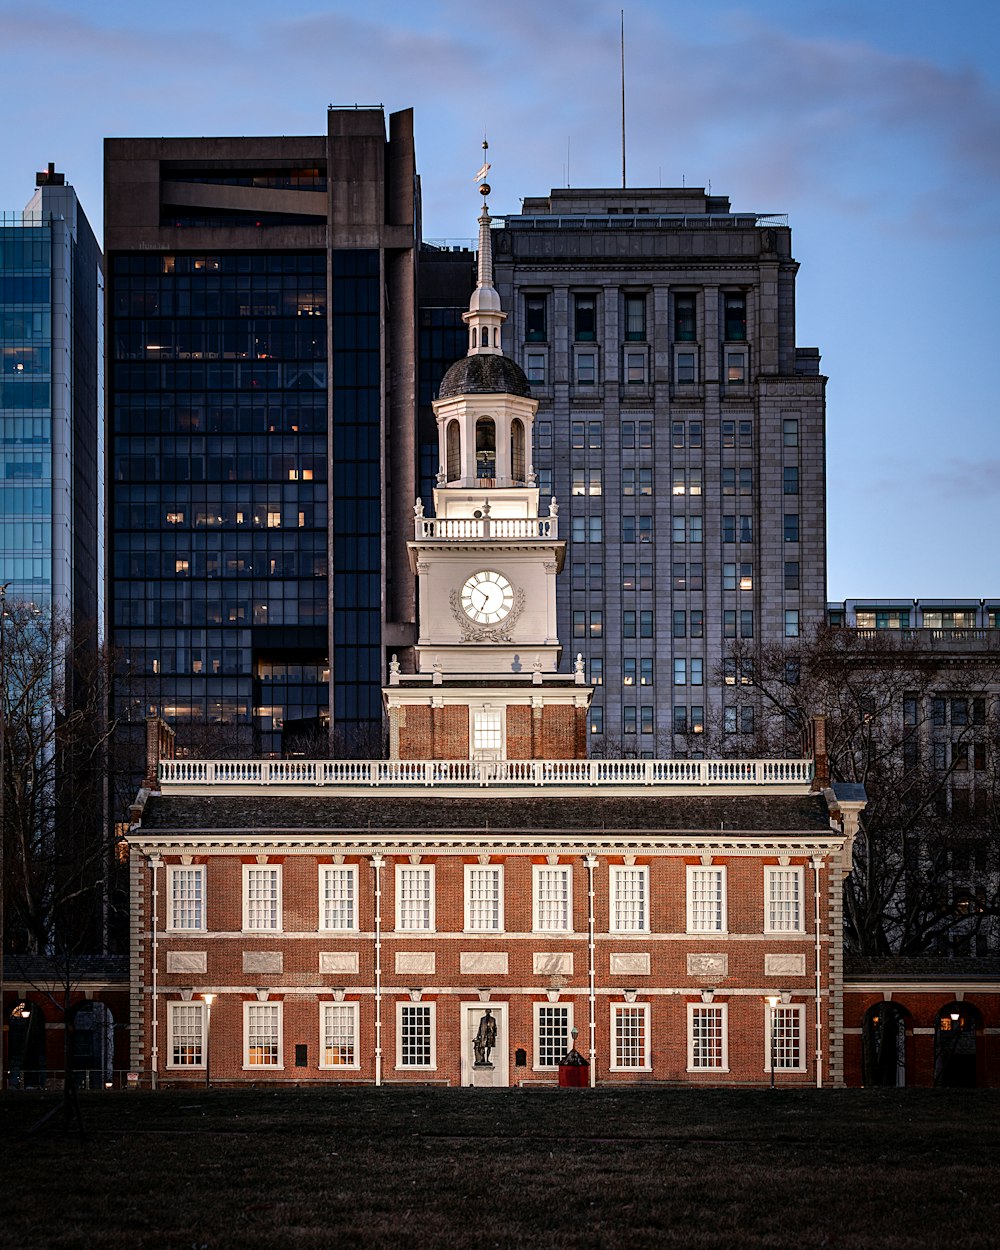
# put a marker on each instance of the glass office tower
(261, 355)
(51, 405)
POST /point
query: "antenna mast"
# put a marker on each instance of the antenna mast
(623, 98)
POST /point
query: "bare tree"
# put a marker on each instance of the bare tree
(913, 720)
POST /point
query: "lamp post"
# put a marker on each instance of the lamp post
(772, 1002)
(209, 999)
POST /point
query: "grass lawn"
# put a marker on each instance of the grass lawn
(444, 1168)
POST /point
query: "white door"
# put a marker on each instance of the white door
(473, 1015)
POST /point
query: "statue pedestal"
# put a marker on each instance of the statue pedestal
(482, 1075)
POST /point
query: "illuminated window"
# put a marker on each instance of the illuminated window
(338, 1035)
(185, 1035)
(262, 1035)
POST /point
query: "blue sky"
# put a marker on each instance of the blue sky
(875, 126)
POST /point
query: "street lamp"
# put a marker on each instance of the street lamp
(209, 999)
(772, 1002)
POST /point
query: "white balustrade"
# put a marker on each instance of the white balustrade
(659, 774)
(457, 529)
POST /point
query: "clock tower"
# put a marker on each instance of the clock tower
(487, 683)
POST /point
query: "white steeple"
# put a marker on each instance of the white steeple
(484, 317)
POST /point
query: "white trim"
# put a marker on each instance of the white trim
(431, 1008)
(724, 908)
(536, 872)
(770, 871)
(537, 1008)
(617, 1010)
(352, 869)
(247, 870)
(351, 1007)
(722, 1011)
(172, 1007)
(800, 1008)
(200, 870)
(498, 870)
(615, 872)
(432, 891)
(278, 1009)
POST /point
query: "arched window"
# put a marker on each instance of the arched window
(883, 1045)
(496, 337)
(955, 1045)
(472, 337)
(486, 448)
(517, 451)
(484, 336)
(453, 467)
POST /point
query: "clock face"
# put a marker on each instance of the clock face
(487, 597)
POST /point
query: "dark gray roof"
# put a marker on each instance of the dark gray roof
(42, 969)
(499, 813)
(484, 375)
(919, 967)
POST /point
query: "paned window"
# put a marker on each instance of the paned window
(585, 318)
(635, 318)
(790, 479)
(680, 671)
(697, 671)
(791, 575)
(628, 671)
(629, 1037)
(483, 898)
(535, 367)
(414, 897)
(746, 529)
(553, 1022)
(487, 729)
(338, 1035)
(187, 897)
(187, 1027)
(735, 316)
(635, 368)
(791, 527)
(783, 890)
(629, 894)
(415, 1040)
(646, 671)
(706, 900)
(629, 719)
(261, 897)
(785, 1035)
(684, 318)
(553, 898)
(586, 369)
(791, 622)
(534, 319)
(596, 719)
(708, 1043)
(697, 623)
(790, 431)
(262, 1035)
(338, 892)
(684, 368)
(596, 670)
(646, 725)
(736, 368)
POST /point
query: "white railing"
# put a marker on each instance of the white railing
(486, 527)
(441, 773)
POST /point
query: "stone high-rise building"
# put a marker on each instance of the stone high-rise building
(684, 432)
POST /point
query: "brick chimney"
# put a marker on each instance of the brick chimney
(160, 740)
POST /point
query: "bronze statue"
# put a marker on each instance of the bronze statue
(485, 1040)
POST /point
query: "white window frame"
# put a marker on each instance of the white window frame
(278, 1009)
(173, 870)
(617, 874)
(770, 875)
(247, 870)
(429, 869)
(618, 1010)
(401, 1007)
(172, 1008)
(692, 870)
(352, 1009)
(722, 1010)
(470, 871)
(537, 1009)
(798, 1009)
(352, 871)
(498, 752)
(536, 878)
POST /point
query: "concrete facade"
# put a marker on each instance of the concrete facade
(664, 409)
